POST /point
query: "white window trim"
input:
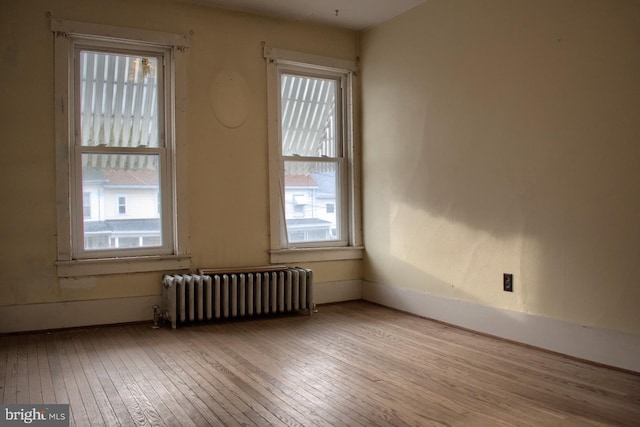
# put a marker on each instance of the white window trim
(67, 266)
(279, 253)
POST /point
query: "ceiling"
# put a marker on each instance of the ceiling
(349, 14)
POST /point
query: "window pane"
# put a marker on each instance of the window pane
(118, 100)
(311, 201)
(308, 107)
(124, 200)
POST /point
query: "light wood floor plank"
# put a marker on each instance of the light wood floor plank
(140, 387)
(368, 367)
(535, 385)
(35, 386)
(246, 372)
(284, 347)
(57, 377)
(400, 361)
(162, 377)
(91, 392)
(213, 395)
(140, 409)
(117, 407)
(4, 354)
(198, 384)
(46, 381)
(216, 368)
(9, 361)
(107, 414)
(185, 389)
(298, 374)
(473, 390)
(22, 371)
(381, 376)
(170, 410)
(351, 364)
(77, 410)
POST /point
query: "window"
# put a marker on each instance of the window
(122, 205)
(118, 129)
(86, 204)
(298, 211)
(313, 169)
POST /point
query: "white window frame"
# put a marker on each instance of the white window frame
(350, 246)
(71, 259)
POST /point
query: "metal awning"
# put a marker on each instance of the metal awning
(118, 107)
(308, 108)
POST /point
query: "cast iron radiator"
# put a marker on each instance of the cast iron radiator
(221, 294)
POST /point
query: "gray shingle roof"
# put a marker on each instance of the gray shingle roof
(145, 225)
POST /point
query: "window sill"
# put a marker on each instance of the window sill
(97, 267)
(279, 256)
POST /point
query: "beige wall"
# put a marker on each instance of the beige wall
(228, 192)
(504, 136)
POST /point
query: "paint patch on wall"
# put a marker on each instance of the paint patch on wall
(229, 94)
(78, 283)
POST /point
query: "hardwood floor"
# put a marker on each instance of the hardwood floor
(351, 364)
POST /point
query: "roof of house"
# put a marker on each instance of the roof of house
(299, 181)
(131, 177)
(307, 222)
(135, 177)
(144, 225)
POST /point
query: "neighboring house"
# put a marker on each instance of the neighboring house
(121, 208)
(310, 202)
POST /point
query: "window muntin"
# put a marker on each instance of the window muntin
(120, 150)
(311, 119)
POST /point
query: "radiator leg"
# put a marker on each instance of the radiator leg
(156, 317)
(169, 300)
(166, 316)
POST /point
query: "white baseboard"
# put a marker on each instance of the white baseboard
(612, 348)
(59, 315)
(37, 317)
(344, 290)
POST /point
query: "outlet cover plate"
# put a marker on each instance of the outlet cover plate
(507, 282)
